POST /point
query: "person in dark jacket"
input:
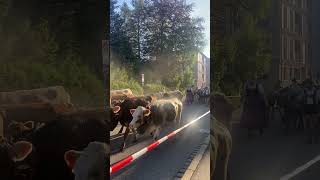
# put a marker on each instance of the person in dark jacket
(254, 107)
(310, 111)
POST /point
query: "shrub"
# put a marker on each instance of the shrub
(154, 88)
(119, 79)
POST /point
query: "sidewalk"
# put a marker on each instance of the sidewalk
(203, 170)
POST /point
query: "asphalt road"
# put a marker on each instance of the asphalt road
(273, 155)
(165, 161)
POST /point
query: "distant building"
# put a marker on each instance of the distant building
(207, 73)
(202, 71)
(291, 36)
(225, 19)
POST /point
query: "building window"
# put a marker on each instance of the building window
(299, 3)
(306, 52)
(297, 74)
(303, 52)
(298, 50)
(303, 73)
(298, 23)
(288, 18)
(284, 48)
(292, 21)
(303, 25)
(283, 15)
(291, 49)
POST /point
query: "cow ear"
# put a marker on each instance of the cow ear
(70, 157)
(132, 111)
(21, 150)
(29, 124)
(146, 112)
(116, 109)
(39, 125)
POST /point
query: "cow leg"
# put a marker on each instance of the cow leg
(121, 129)
(134, 135)
(125, 138)
(156, 133)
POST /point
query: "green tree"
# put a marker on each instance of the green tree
(246, 52)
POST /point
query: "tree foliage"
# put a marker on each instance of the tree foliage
(32, 56)
(159, 37)
(246, 53)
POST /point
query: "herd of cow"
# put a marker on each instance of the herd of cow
(44, 136)
(145, 114)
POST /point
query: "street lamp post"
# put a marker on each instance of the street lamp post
(142, 79)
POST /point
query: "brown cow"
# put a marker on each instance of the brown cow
(221, 145)
(37, 112)
(221, 139)
(121, 94)
(10, 155)
(125, 116)
(54, 95)
(170, 94)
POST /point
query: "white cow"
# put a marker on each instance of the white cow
(91, 163)
(162, 113)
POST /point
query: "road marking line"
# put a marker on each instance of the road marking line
(300, 169)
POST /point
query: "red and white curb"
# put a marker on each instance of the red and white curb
(128, 160)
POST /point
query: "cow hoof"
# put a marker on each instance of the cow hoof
(122, 148)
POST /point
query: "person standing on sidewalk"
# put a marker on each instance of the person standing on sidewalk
(254, 107)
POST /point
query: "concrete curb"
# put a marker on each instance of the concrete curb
(193, 161)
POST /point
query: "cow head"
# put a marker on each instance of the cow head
(18, 129)
(91, 163)
(116, 109)
(139, 116)
(10, 154)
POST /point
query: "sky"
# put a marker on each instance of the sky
(201, 9)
